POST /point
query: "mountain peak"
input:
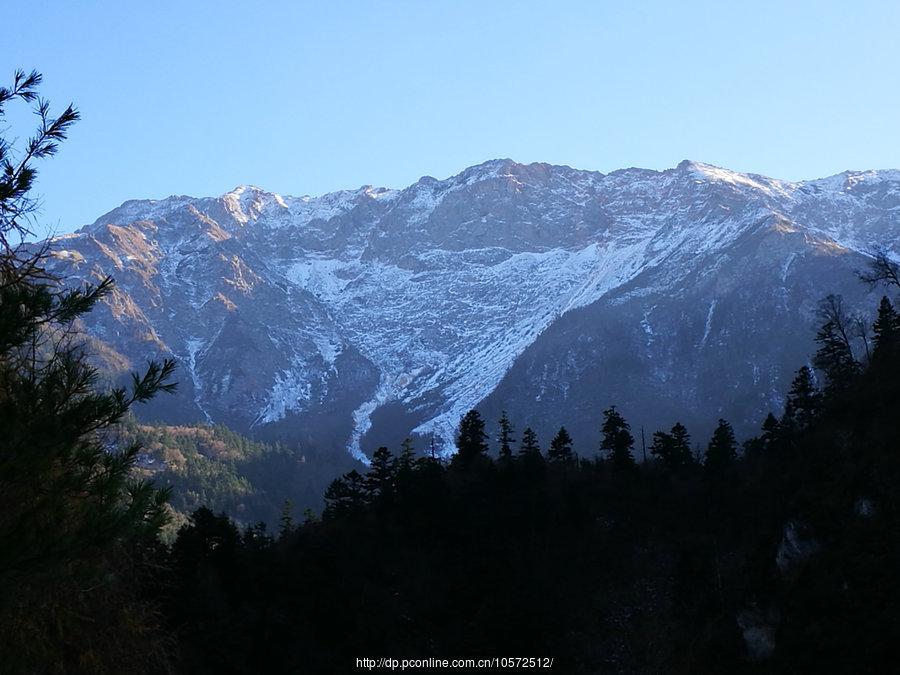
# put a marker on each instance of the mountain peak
(710, 173)
(499, 163)
(246, 202)
(245, 190)
(847, 180)
(705, 170)
(489, 169)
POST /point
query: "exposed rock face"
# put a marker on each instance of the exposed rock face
(352, 319)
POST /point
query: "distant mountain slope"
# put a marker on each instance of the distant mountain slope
(351, 319)
(214, 467)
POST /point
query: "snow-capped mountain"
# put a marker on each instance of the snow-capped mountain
(358, 317)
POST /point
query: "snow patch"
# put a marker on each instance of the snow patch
(708, 326)
(290, 390)
(193, 348)
(317, 275)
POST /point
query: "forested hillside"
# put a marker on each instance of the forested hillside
(213, 466)
(779, 556)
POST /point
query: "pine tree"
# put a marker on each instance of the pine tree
(72, 514)
(66, 490)
(803, 401)
(561, 447)
(661, 447)
(722, 448)
(681, 446)
(405, 468)
(529, 458)
(886, 329)
(505, 438)
(286, 521)
(673, 449)
(407, 460)
(770, 431)
(345, 495)
(617, 439)
(255, 537)
(17, 174)
(529, 445)
(470, 439)
(379, 481)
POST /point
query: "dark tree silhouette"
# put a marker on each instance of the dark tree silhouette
(380, 479)
(529, 444)
(883, 270)
(345, 496)
(561, 447)
(722, 448)
(673, 449)
(505, 439)
(771, 428)
(835, 354)
(886, 329)
(286, 521)
(617, 441)
(471, 439)
(803, 401)
(661, 447)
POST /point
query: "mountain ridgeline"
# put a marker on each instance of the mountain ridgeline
(350, 320)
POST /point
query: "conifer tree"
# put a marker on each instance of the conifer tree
(886, 329)
(72, 514)
(379, 481)
(561, 447)
(286, 520)
(617, 439)
(470, 438)
(345, 495)
(803, 401)
(405, 468)
(770, 430)
(529, 457)
(661, 447)
(505, 438)
(681, 445)
(18, 172)
(255, 537)
(407, 459)
(65, 491)
(529, 444)
(673, 449)
(722, 448)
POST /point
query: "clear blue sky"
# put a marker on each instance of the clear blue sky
(303, 98)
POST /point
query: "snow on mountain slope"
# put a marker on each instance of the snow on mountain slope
(421, 300)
